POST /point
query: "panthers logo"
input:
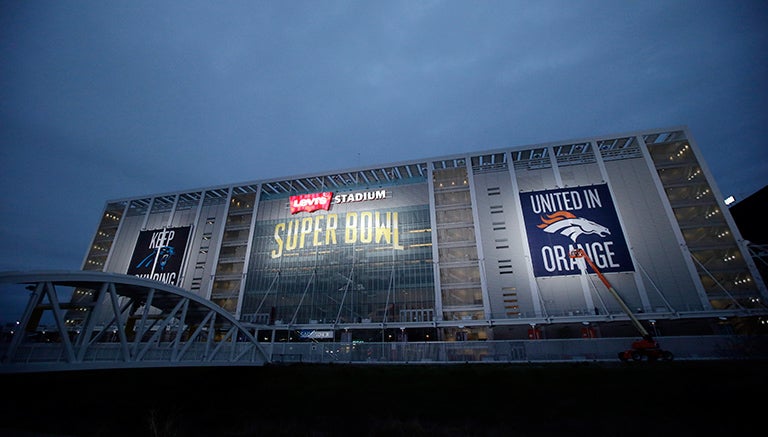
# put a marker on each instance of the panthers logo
(573, 227)
(166, 252)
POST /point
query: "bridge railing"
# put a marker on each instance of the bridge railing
(51, 356)
(566, 350)
(48, 357)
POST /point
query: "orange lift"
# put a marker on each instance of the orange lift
(646, 347)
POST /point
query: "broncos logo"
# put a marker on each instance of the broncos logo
(565, 223)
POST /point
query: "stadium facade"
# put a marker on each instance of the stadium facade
(473, 246)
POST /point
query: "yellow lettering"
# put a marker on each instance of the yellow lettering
(366, 227)
(350, 228)
(279, 252)
(292, 236)
(383, 230)
(306, 228)
(330, 228)
(396, 233)
(316, 236)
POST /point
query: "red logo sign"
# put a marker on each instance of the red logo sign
(311, 202)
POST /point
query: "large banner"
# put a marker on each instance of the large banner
(353, 218)
(558, 221)
(158, 254)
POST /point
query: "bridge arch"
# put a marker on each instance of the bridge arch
(107, 320)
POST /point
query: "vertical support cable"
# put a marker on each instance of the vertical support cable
(296, 313)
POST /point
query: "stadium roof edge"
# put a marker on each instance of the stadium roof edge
(406, 162)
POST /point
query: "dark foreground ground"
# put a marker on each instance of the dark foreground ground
(723, 398)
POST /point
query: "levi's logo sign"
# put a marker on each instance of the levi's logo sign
(310, 202)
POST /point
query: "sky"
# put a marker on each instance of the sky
(104, 100)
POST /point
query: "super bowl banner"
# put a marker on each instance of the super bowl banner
(558, 221)
(353, 227)
(158, 254)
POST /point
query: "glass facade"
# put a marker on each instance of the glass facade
(226, 287)
(720, 264)
(460, 281)
(360, 262)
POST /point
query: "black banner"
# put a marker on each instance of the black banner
(158, 254)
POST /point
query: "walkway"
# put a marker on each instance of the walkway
(114, 320)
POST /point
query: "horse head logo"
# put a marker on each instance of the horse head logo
(567, 224)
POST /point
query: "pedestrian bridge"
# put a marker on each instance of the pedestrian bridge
(113, 320)
(119, 321)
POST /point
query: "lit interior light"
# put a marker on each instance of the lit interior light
(702, 194)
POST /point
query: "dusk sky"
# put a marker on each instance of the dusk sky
(103, 100)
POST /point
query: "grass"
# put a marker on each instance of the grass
(596, 399)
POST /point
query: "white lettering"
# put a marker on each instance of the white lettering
(553, 202)
(359, 196)
(300, 203)
(556, 258)
(165, 278)
(547, 203)
(161, 238)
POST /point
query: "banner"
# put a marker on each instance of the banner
(366, 227)
(558, 221)
(158, 254)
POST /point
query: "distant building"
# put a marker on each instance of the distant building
(748, 217)
(747, 213)
(472, 246)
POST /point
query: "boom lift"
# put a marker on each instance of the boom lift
(646, 347)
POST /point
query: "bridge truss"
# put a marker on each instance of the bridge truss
(105, 320)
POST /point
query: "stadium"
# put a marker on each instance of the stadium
(469, 247)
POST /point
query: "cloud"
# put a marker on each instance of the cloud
(107, 100)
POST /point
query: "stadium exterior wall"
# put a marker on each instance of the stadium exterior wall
(472, 246)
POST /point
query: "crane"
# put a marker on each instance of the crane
(646, 347)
